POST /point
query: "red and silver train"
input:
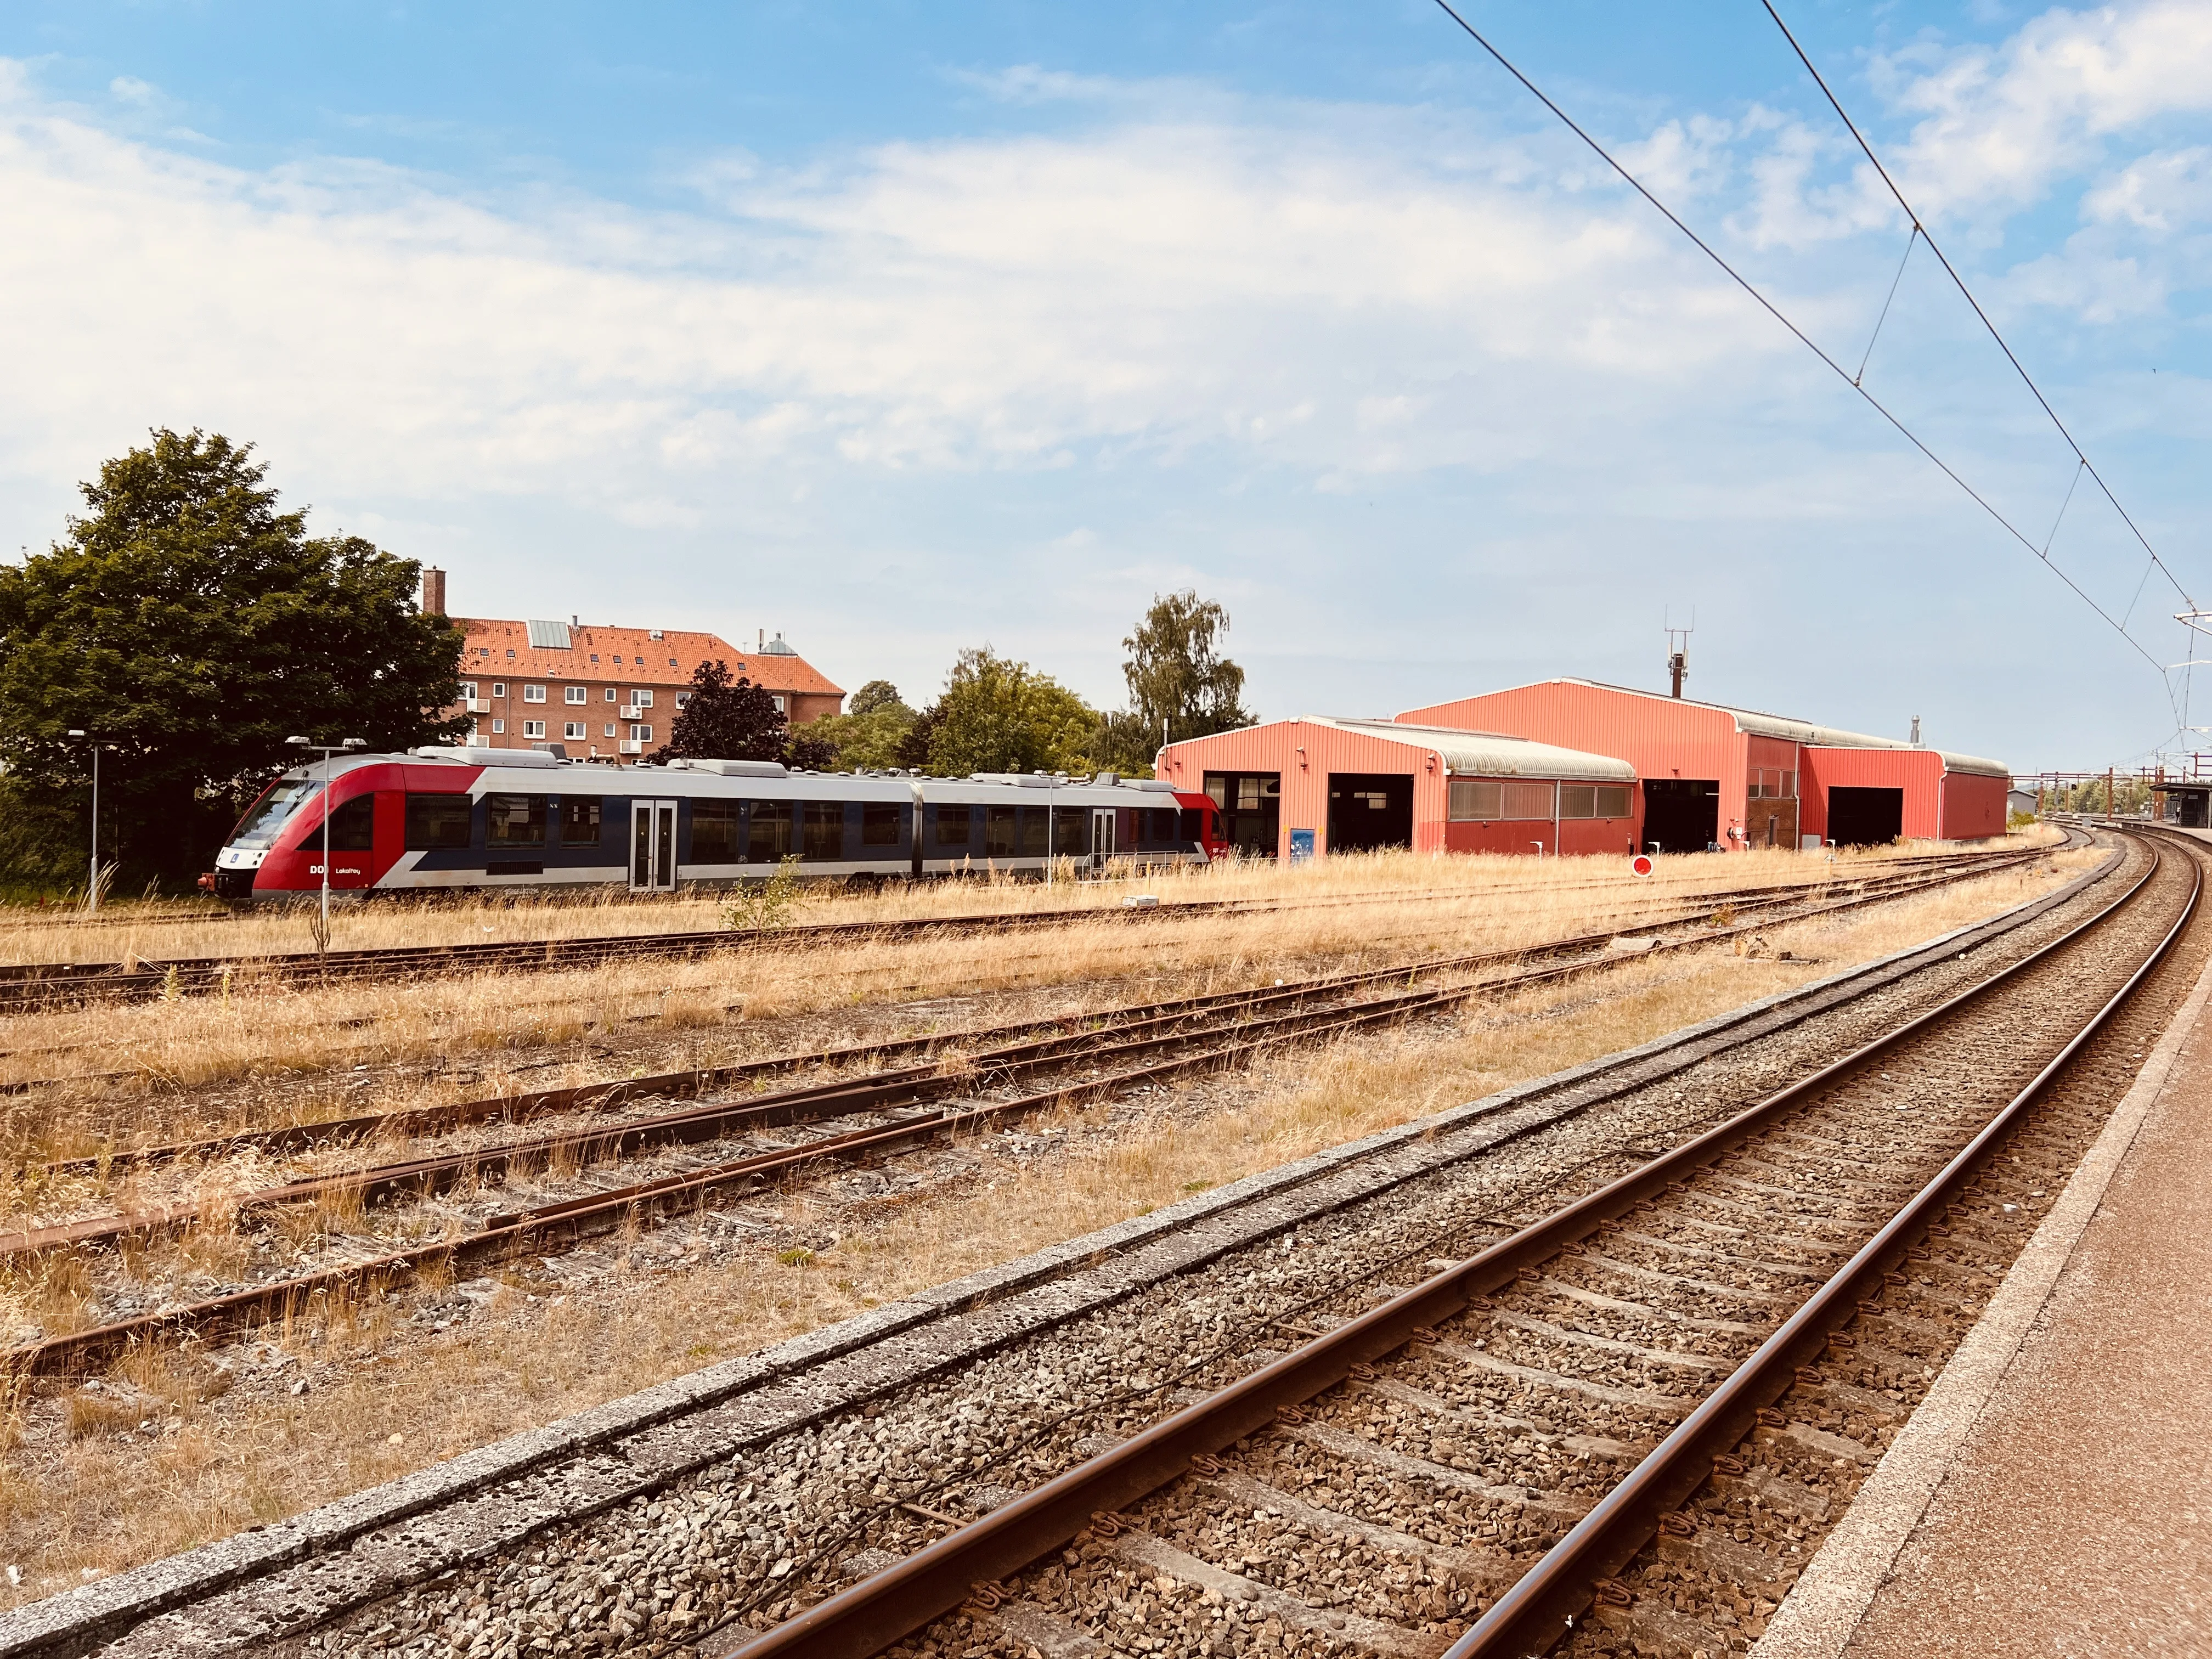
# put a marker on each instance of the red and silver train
(441, 819)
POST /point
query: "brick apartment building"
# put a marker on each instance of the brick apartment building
(603, 693)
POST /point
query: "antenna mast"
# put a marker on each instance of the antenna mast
(1677, 651)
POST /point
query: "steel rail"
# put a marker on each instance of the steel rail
(911, 1086)
(862, 1620)
(38, 984)
(563, 1224)
(520, 1108)
(1542, 1606)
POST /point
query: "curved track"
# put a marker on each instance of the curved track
(1496, 1444)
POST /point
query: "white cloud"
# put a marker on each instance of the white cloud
(2158, 193)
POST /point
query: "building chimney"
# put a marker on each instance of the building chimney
(434, 590)
(1916, 731)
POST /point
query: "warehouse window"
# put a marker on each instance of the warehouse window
(515, 820)
(714, 832)
(1613, 800)
(1577, 801)
(1770, 783)
(879, 824)
(437, 821)
(767, 832)
(580, 820)
(1474, 800)
(825, 829)
(1528, 800)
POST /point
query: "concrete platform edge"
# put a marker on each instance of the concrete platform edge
(1821, 1615)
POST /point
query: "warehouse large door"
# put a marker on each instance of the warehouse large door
(1367, 810)
(1682, 815)
(1865, 817)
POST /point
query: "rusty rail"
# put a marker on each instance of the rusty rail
(880, 1610)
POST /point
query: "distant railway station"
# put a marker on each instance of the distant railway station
(1573, 766)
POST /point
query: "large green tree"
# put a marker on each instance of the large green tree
(189, 626)
(869, 734)
(999, 715)
(1180, 684)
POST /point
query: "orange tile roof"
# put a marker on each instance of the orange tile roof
(631, 655)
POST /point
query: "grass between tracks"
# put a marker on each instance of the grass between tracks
(154, 1072)
(171, 1451)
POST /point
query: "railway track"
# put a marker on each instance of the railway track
(902, 1106)
(26, 987)
(747, 1490)
(1648, 1389)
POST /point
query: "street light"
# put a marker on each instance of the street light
(323, 936)
(92, 887)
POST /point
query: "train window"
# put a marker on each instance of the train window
(1613, 800)
(1193, 823)
(825, 829)
(767, 833)
(1529, 800)
(713, 832)
(879, 824)
(999, 832)
(1577, 801)
(1162, 832)
(437, 821)
(951, 826)
(581, 819)
(515, 820)
(1071, 831)
(1473, 800)
(1034, 832)
(352, 826)
(259, 826)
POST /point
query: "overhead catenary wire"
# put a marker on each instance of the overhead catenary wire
(2027, 380)
(1807, 341)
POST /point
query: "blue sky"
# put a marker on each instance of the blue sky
(901, 328)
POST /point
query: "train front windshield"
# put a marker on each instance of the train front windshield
(266, 817)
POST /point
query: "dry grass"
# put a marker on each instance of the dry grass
(141, 1074)
(386, 1398)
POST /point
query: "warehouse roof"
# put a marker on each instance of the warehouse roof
(1761, 725)
(1490, 754)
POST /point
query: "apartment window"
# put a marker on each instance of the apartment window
(672, 662)
(476, 730)
(575, 731)
(595, 656)
(641, 735)
(499, 688)
(577, 694)
(437, 821)
(580, 820)
(469, 689)
(682, 699)
(533, 694)
(515, 820)
(608, 730)
(825, 829)
(611, 694)
(879, 824)
(499, 728)
(533, 728)
(1475, 800)
(778, 701)
(641, 699)
(714, 832)
(510, 654)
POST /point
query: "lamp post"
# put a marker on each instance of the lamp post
(327, 749)
(92, 884)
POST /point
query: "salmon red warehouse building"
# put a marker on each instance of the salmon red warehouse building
(1573, 766)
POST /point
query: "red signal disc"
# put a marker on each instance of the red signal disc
(1641, 864)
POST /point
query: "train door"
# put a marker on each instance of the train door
(653, 846)
(1102, 836)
